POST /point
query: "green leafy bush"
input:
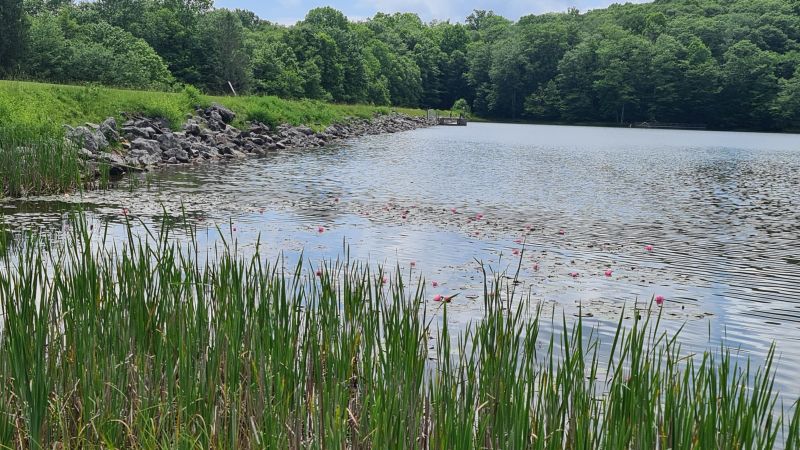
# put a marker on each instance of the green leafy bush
(93, 52)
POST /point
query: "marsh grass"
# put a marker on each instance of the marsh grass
(152, 343)
(36, 160)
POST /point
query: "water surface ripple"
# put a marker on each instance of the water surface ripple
(721, 210)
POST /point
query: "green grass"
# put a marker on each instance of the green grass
(153, 344)
(29, 103)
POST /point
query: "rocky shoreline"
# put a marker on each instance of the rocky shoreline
(143, 144)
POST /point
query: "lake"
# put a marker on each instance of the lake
(721, 211)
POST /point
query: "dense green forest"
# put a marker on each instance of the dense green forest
(724, 63)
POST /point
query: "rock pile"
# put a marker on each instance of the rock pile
(146, 143)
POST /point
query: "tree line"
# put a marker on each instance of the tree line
(722, 63)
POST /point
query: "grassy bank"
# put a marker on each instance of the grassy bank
(36, 103)
(144, 346)
(35, 159)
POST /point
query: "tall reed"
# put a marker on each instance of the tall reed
(153, 343)
(36, 160)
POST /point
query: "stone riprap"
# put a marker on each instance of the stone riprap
(143, 144)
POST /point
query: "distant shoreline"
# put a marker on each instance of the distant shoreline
(474, 119)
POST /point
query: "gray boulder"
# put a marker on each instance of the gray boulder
(109, 129)
(226, 114)
(133, 132)
(132, 161)
(215, 122)
(112, 159)
(169, 141)
(178, 154)
(149, 160)
(139, 157)
(205, 151)
(220, 140)
(92, 140)
(150, 146)
(259, 128)
(192, 127)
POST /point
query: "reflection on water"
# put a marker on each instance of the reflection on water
(721, 210)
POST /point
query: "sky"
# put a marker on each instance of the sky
(288, 12)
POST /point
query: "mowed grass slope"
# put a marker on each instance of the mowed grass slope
(37, 103)
(35, 159)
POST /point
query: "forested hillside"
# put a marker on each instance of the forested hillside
(724, 63)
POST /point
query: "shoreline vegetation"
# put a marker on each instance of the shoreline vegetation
(37, 159)
(149, 342)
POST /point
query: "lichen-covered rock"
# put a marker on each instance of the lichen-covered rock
(92, 140)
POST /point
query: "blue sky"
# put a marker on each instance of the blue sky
(290, 11)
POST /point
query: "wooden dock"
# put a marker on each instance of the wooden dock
(452, 121)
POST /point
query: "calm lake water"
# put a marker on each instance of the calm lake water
(721, 210)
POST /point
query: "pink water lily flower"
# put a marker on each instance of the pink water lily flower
(609, 272)
(321, 229)
(515, 251)
(562, 232)
(536, 267)
(574, 274)
(435, 283)
(413, 264)
(649, 248)
(659, 300)
(437, 298)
